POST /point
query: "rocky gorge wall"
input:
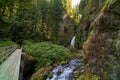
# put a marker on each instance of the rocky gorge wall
(101, 49)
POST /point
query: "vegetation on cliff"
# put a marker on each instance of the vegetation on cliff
(100, 49)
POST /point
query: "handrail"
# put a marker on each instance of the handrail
(10, 68)
(6, 47)
(8, 50)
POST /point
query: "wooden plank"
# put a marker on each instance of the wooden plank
(9, 70)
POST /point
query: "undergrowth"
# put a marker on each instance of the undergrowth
(6, 43)
(46, 53)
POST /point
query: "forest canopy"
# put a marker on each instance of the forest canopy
(37, 20)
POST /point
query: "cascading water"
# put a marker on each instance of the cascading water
(65, 72)
(73, 42)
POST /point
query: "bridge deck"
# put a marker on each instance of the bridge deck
(9, 70)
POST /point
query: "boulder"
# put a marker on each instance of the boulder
(41, 73)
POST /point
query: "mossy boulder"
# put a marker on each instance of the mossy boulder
(41, 73)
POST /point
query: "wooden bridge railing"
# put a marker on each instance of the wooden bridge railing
(6, 52)
(10, 68)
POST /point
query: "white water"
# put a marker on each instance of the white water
(66, 70)
(73, 42)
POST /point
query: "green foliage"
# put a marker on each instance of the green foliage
(81, 77)
(78, 39)
(72, 11)
(26, 19)
(85, 28)
(117, 47)
(94, 77)
(46, 53)
(56, 11)
(1, 51)
(114, 61)
(6, 43)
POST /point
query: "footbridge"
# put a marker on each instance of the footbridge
(10, 63)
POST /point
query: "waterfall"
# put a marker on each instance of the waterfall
(73, 42)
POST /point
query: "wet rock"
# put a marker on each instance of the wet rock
(63, 62)
(28, 63)
(77, 73)
(59, 72)
(55, 64)
(50, 75)
(41, 73)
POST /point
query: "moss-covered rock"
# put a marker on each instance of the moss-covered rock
(41, 73)
(77, 73)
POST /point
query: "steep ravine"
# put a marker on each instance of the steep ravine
(100, 43)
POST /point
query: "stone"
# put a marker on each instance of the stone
(41, 73)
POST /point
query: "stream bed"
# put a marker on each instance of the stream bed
(65, 72)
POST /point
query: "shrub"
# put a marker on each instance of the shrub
(94, 77)
(6, 43)
(46, 53)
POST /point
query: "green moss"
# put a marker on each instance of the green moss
(82, 34)
(79, 39)
(1, 51)
(88, 7)
(94, 77)
(85, 7)
(81, 77)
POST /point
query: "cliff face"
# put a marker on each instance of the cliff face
(102, 48)
(67, 29)
(89, 9)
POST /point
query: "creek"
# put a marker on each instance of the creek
(65, 72)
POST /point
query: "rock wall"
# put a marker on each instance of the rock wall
(89, 9)
(101, 49)
(27, 66)
(67, 30)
